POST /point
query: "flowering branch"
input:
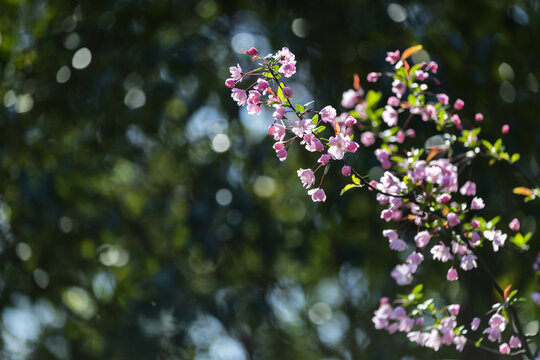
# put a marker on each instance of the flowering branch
(420, 186)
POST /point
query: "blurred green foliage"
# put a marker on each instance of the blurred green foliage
(143, 217)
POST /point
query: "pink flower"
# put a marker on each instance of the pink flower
(402, 274)
(346, 170)
(281, 154)
(468, 262)
(433, 66)
(460, 342)
(456, 121)
(458, 105)
(514, 342)
(400, 137)
(504, 349)
(398, 245)
(421, 75)
(372, 77)
(239, 96)
(288, 69)
(469, 188)
(410, 133)
(505, 129)
(454, 309)
(338, 146)
(317, 195)
(441, 253)
(349, 99)
(536, 298)
(452, 274)
(324, 159)
(307, 177)
(390, 116)
(475, 324)
(475, 238)
(422, 238)
(392, 57)
(253, 51)
(277, 131)
(442, 98)
(262, 86)
(328, 114)
(230, 83)
(496, 237)
(453, 219)
(393, 101)
(367, 138)
(287, 92)
(302, 127)
(478, 117)
(279, 113)
(236, 72)
(443, 198)
(312, 143)
(514, 225)
(284, 56)
(415, 258)
(477, 203)
(398, 88)
(475, 223)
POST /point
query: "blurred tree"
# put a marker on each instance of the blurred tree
(142, 216)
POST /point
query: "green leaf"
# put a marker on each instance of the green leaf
(309, 103)
(299, 107)
(497, 145)
(477, 344)
(315, 119)
(411, 99)
(280, 94)
(514, 158)
(372, 98)
(319, 129)
(487, 144)
(355, 179)
(520, 240)
(347, 188)
(418, 289)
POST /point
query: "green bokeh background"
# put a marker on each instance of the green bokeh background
(125, 235)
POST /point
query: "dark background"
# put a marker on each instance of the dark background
(126, 235)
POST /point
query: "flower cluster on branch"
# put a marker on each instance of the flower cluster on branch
(434, 214)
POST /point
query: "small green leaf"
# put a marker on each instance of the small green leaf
(479, 342)
(280, 94)
(347, 188)
(319, 129)
(315, 119)
(309, 103)
(497, 145)
(487, 144)
(299, 107)
(372, 98)
(418, 289)
(514, 158)
(355, 179)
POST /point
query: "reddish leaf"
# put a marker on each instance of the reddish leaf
(432, 154)
(406, 64)
(408, 52)
(506, 292)
(521, 190)
(356, 83)
(336, 127)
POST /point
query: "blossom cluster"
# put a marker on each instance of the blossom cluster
(419, 186)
